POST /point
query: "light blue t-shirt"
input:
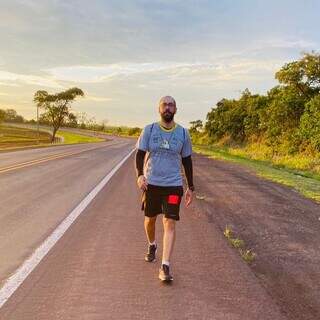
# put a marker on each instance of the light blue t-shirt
(165, 149)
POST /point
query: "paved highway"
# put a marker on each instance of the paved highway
(39, 187)
(96, 270)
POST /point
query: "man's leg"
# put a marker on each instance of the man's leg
(169, 236)
(150, 228)
(168, 243)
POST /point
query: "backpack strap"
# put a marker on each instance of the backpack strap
(184, 138)
(150, 136)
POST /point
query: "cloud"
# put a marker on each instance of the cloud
(8, 84)
(94, 74)
(98, 99)
(285, 43)
(10, 78)
(170, 70)
(146, 75)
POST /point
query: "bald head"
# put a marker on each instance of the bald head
(167, 108)
(167, 100)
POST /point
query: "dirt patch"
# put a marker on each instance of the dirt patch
(277, 223)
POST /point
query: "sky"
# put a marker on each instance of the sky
(125, 55)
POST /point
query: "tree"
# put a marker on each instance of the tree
(135, 131)
(91, 123)
(72, 120)
(227, 119)
(287, 118)
(216, 125)
(118, 131)
(303, 75)
(2, 115)
(12, 116)
(254, 126)
(82, 119)
(282, 117)
(103, 124)
(196, 126)
(310, 123)
(56, 106)
(44, 119)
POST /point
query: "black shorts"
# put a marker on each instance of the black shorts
(165, 200)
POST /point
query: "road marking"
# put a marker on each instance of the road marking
(40, 160)
(35, 161)
(14, 281)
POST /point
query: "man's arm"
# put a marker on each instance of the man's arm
(140, 154)
(186, 153)
(187, 165)
(141, 179)
(142, 146)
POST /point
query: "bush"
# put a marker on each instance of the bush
(134, 131)
(310, 123)
(2, 115)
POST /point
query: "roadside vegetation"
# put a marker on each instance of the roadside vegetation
(57, 107)
(122, 131)
(55, 114)
(18, 137)
(72, 120)
(246, 254)
(70, 137)
(12, 137)
(276, 134)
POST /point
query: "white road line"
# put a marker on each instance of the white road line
(12, 283)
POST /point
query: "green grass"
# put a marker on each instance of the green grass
(306, 162)
(12, 138)
(77, 138)
(122, 131)
(307, 183)
(246, 254)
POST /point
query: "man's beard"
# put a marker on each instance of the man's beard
(167, 116)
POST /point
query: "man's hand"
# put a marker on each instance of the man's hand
(188, 197)
(142, 183)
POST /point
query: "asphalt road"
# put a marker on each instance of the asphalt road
(39, 187)
(97, 270)
(276, 222)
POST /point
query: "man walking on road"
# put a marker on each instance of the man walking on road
(161, 148)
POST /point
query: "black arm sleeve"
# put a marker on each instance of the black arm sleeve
(139, 162)
(187, 164)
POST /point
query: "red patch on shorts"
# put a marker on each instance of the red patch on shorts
(173, 199)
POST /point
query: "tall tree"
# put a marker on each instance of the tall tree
(56, 106)
(303, 75)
